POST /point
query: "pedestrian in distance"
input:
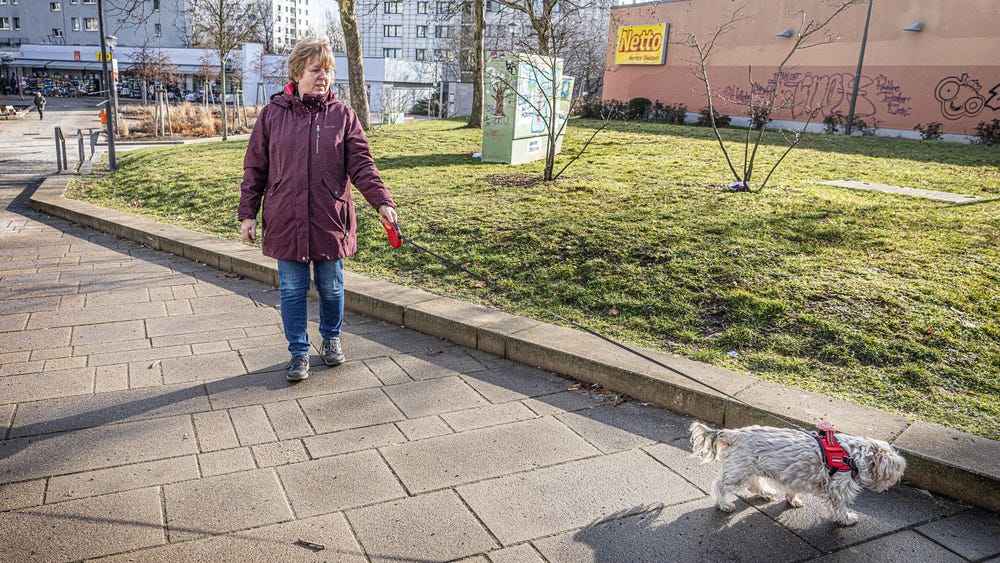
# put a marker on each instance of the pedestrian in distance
(40, 104)
(305, 151)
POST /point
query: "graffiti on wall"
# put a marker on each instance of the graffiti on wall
(961, 96)
(804, 92)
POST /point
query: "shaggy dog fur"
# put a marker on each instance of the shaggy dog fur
(768, 461)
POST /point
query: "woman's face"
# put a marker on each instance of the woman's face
(316, 78)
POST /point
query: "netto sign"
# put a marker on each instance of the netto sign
(642, 44)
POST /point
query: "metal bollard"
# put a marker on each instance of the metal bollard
(61, 161)
(79, 142)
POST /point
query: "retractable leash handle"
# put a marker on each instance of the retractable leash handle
(395, 236)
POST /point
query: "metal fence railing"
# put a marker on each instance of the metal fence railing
(62, 160)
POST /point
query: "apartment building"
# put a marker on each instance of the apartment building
(74, 22)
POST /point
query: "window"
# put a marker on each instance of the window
(392, 31)
(74, 24)
(390, 53)
(442, 55)
(55, 6)
(3, 2)
(90, 24)
(156, 5)
(90, 1)
(157, 30)
(421, 7)
(4, 23)
(421, 31)
(57, 32)
(17, 23)
(442, 31)
(74, 2)
(421, 55)
(444, 7)
(393, 7)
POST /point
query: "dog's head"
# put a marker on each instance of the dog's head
(881, 466)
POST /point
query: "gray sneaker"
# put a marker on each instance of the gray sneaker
(332, 354)
(297, 368)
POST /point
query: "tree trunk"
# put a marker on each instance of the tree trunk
(222, 78)
(355, 62)
(476, 117)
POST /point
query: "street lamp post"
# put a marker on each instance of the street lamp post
(112, 162)
(857, 75)
(512, 28)
(112, 43)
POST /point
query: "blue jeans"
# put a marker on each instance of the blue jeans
(293, 278)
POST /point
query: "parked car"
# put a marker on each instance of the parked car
(196, 97)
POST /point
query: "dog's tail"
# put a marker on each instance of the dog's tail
(705, 442)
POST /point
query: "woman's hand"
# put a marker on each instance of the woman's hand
(248, 230)
(388, 214)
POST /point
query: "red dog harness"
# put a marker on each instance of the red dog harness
(834, 455)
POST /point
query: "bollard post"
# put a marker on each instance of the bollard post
(79, 141)
(59, 162)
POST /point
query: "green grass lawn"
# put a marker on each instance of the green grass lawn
(883, 300)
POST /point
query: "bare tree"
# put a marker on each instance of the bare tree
(810, 33)
(222, 25)
(333, 32)
(263, 12)
(355, 62)
(152, 66)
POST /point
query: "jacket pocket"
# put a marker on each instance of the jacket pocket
(273, 187)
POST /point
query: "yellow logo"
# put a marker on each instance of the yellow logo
(642, 44)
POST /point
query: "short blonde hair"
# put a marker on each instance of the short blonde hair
(309, 49)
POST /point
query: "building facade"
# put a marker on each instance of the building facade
(74, 22)
(925, 61)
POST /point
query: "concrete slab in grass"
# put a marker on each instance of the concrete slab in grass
(613, 428)
(904, 547)
(974, 534)
(431, 527)
(953, 463)
(434, 396)
(455, 320)
(126, 477)
(278, 542)
(379, 299)
(351, 409)
(807, 409)
(85, 528)
(337, 483)
(546, 501)
(94, 448)
(224, 503)
(449, 460)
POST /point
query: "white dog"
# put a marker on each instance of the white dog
(767, 461)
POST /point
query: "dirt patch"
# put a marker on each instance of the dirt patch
(513, 180)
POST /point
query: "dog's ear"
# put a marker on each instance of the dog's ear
(886, 466)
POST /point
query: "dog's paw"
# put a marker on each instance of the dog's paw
(728, 507)
(794, 501)
(849, 520)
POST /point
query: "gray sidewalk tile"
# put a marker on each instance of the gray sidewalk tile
(434, 396)
(336, 483)
(198, 337)
(351, 409)
(202, 367)
(431, 527)
(437, 362)
(904, 547)
(270, 543)
(22, 495)
(252, 426)
(523, 553)
(500, 385)
(974, 534)
(123, 478)
(85, 528)
(279, 453)
(64, 363)
(224, 303)
(220, 462)
(95, 448)
(51, 353)
(491, 415)
(6, 417)
(215, 431)
(13, 322)
(206, 348)
(387, 371)
(224, 503)
(138, 355)
(34, 339)
(111, 347)
(111, 378)
(881, 514)
(38, 386)
(10, 305)
(21, 368)
(677, 456)
(613, 428)
(112, 314)
(421, 428)
(393, 341)
(356, 439)
(288, 420)
(145, 373)
(480, 454)
(124, 297)
(693, 531)
(575, 494)
(167, 326)
(178, 308)
(70, 413)
(271, 387)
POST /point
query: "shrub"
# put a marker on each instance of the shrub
(931, 131)
(675, 114)
(589, 107)
(988, 133)
(422, 105)
(705, 119)
(638, 108)
(833, 122)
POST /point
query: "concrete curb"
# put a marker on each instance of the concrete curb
(941, 460)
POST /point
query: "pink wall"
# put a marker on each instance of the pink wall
(948, 73)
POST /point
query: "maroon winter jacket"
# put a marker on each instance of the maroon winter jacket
(300, 160)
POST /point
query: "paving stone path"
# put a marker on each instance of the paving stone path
(145, 417)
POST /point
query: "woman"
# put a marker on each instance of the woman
(304, 151)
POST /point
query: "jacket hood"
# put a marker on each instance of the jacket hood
(289, 98)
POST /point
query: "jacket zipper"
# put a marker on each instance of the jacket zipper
(317, 138)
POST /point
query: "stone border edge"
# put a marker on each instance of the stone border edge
(941, 460)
